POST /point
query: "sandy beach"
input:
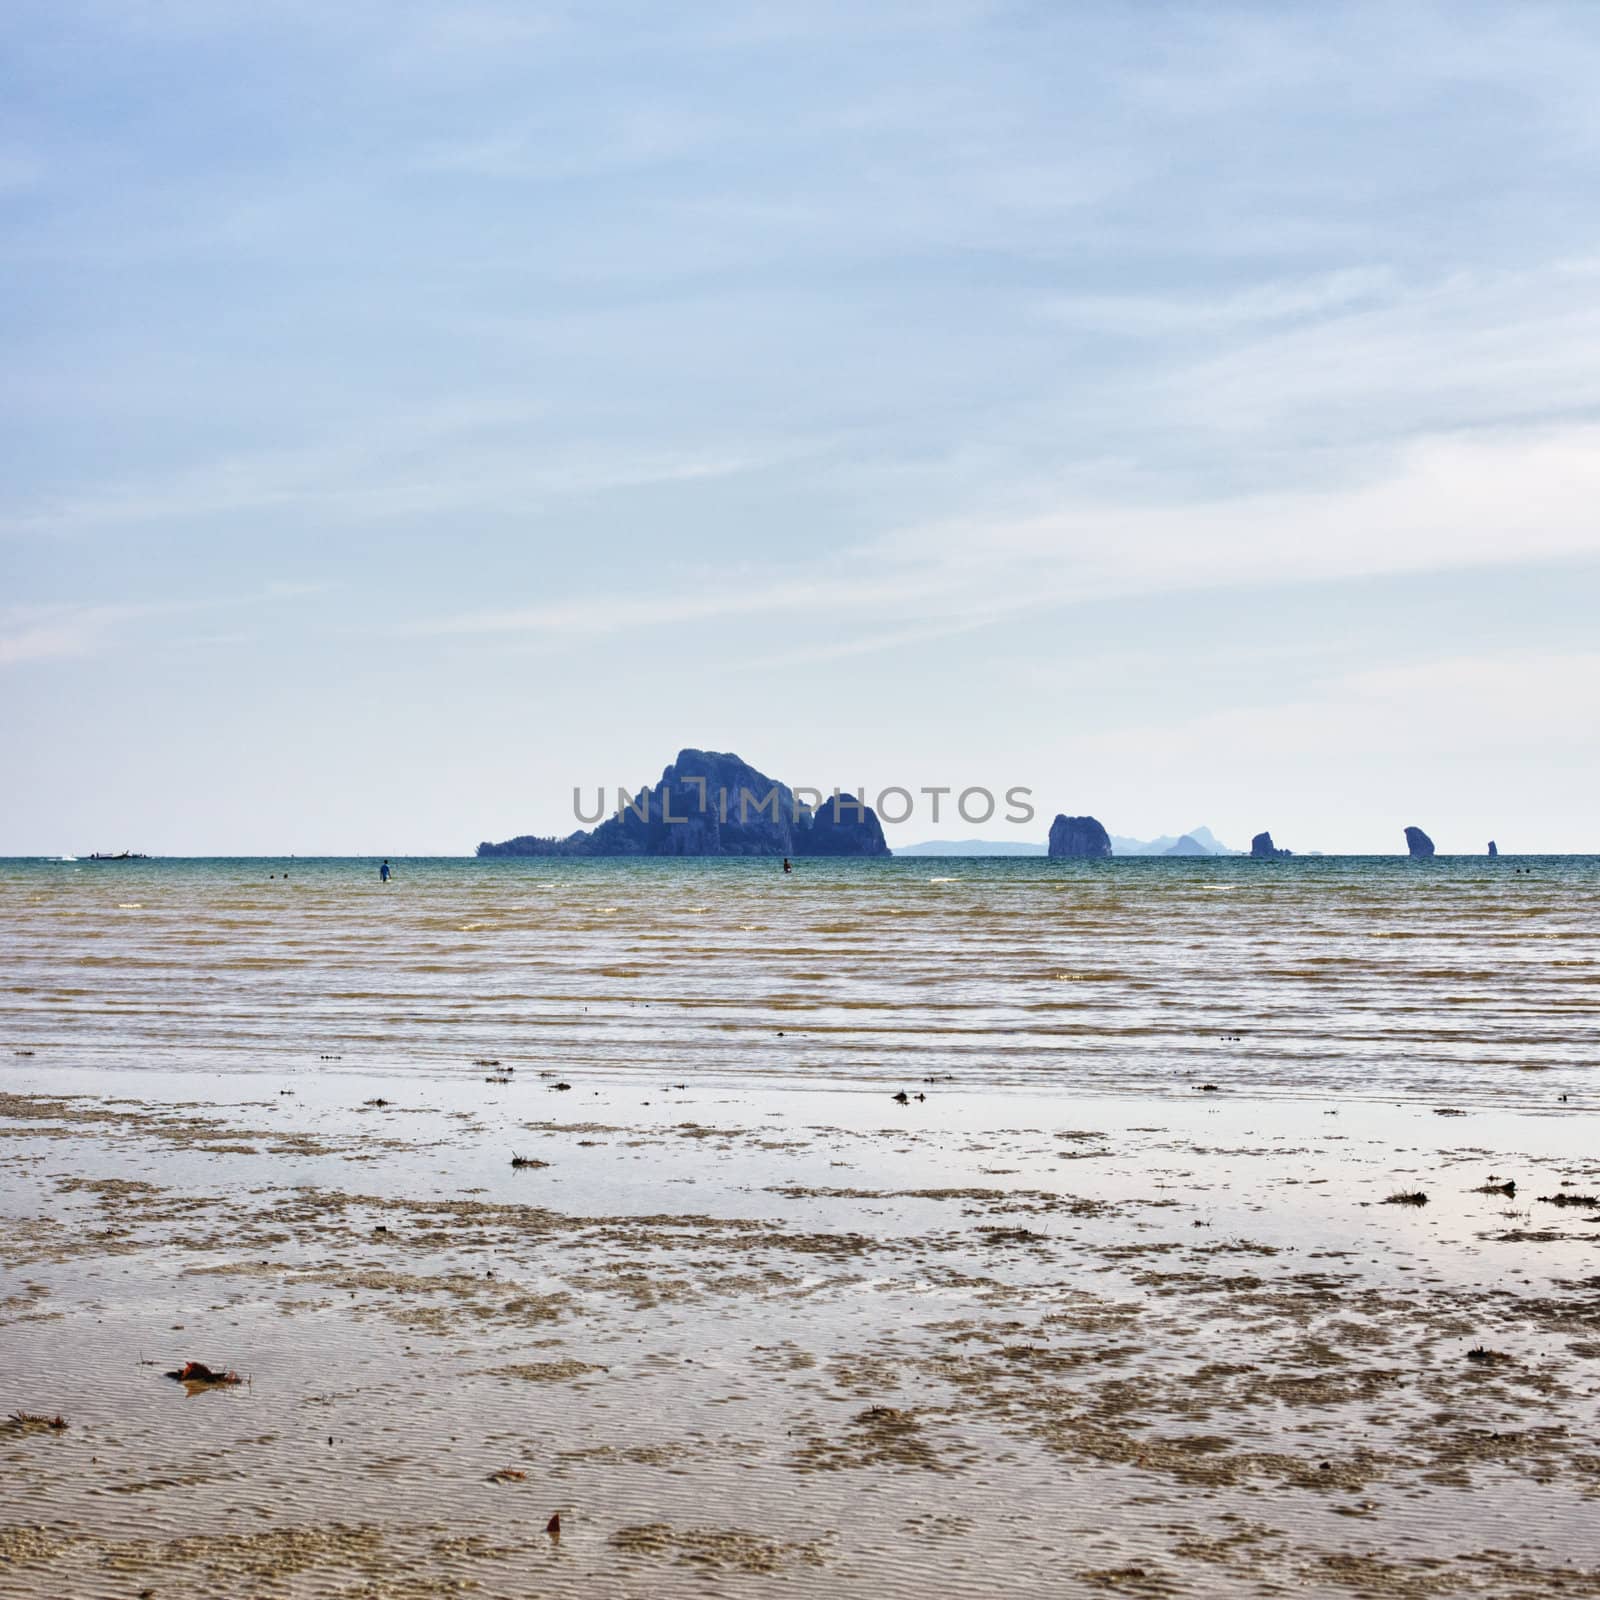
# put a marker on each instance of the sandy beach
(766, 1340)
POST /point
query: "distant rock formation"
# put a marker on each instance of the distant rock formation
(1188, 845)
(1263, 849)
(845, 827)
(1078, 837)
(1418, 843)
(1166, 845)
(1494, 849)
(713, 804)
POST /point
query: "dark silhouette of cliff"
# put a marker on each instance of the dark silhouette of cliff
(709, 803)
(1081, 837)
(1418, 843)
(843, 827)
(1263, 849)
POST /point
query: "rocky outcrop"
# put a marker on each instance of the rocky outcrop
(1080, 837)
(709, 803)
(1188, 845)
(843, 827)
(1418, 843)
(1263, 849)
(1494, 849)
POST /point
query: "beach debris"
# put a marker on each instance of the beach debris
(487, 1061)
(330, 1058)
(1565, 1199)
(29, 1053)
(1488, 1357)
(527, 1161)
(494, 1079)
(1509, 1187)
(890, 1421)
(561, 1085)
(1012, 1236)
(380, 1102)
(197, 1372)
(553, 1526)
(1414, 1197)
(35, 1422)
(1208, 1088)
(1447, 1111)
(904, 1099)
(508, 1475)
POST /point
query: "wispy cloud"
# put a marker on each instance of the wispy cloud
(1163, 316)
(639, 137)
(70, 630)
(1513, 702)
(61, 632)
(475, 457)
(1470, 349)
(1443, 503)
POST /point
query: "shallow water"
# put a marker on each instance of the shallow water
(1461, 977)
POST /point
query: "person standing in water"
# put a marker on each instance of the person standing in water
(383, 873)
(786, 866)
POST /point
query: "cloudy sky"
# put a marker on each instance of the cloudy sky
(412, 410)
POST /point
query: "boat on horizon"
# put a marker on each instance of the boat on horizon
(121, 855)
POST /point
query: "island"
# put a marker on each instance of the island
(711, 803)
(1418, 844)
(1263, 849)
(1081, 838)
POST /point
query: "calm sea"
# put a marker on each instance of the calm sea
(1458, 980)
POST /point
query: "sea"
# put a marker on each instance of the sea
(1458, 980)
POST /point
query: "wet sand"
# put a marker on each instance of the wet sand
(752, 1341)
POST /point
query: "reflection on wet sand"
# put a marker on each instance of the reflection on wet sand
(744, 1340)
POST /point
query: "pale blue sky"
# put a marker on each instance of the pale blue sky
(413, 410)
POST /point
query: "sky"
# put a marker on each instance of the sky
(410, 412)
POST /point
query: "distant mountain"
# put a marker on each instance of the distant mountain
(1196, 842)
(710, 803)
(969, 847)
